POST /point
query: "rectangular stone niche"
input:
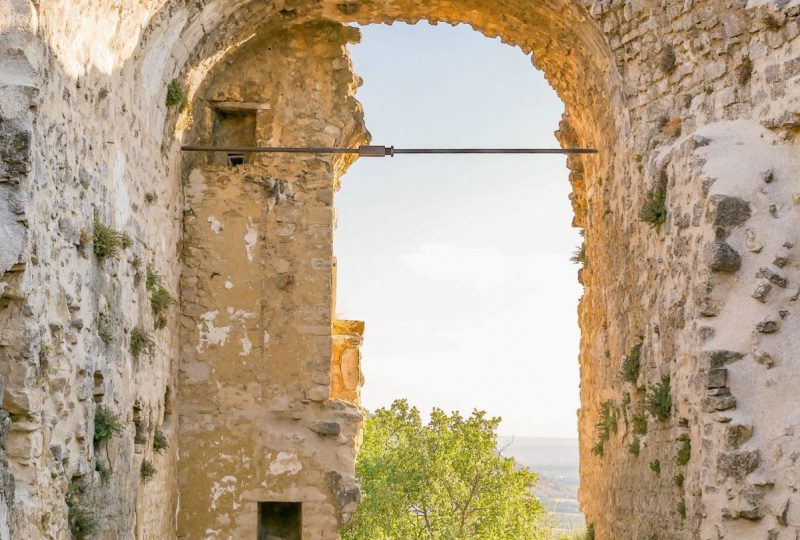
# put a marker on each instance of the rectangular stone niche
(234, 128)
(280, 521)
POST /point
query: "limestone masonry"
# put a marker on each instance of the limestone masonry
(171, 364)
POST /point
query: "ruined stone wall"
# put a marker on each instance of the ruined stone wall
(700, 97)
(258, 420)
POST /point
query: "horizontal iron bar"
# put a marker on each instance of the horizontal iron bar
(383, 151)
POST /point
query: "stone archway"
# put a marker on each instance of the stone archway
(699, 98)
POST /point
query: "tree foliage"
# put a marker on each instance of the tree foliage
(443, 479)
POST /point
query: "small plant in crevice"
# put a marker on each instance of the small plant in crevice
(175, 94)
(654, 209)
(658, 401)
(634, 447)
(631, 364)
(579, 255)
(655, 466)
(141, 342)
(678, 480)
(106, 242)
(639, 422)
(80, 510)
(125, 241)
(682, 508)
(160, 442)
(147, 471)
(106, 425)
(590, 531)
(606, 425)
(84, 241)
(160, 297)
(150, 197)
(103, 469)
(668, 60)
(684, 451)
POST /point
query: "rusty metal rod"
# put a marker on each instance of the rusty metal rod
(384, 151)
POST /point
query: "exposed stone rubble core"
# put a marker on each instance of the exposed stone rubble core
(703, 95)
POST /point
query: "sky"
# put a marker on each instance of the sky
(460, 264)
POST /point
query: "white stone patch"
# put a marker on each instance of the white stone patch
(227, 485)
(228, 284)
(216, 225)
(286, 463)
(247, 345)
(266, 338)
(212, 335)
(250, 240)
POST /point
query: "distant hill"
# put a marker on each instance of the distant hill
(556, 463)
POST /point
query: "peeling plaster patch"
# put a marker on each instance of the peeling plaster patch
(216, 225)
(227, 485)
(212, 534)
(266, 338)
(286, 463)
(250, 240)
(212, 335)
(247, 345)
(228, 284)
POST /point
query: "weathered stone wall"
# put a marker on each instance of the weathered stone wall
(258, 421)
(702, 96)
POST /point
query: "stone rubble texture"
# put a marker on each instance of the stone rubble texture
(249, 382)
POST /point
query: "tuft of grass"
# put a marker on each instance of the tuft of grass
(160, 297)
(147, 471)
(125, 241)
(80, 510)
(655, 466)
(104, 470)
(631, 364)
(639, 422)
(678, 480)
(175, 94)
(668, 60)
(590, 531)
(684, 451)
(682, 508)
(658, 401)
(579, 255)
(160, 443)
(106, 241)
(141, 342)
(606, 425)
(654, 209)
(106, 425)
(634, 447)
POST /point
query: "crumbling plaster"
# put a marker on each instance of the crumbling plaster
(704, 95)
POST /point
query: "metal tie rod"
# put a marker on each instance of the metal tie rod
(384, 151)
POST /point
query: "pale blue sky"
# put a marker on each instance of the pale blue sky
(460, 265)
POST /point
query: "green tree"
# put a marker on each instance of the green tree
(440, 480)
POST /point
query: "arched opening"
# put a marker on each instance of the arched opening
(460, 266)
(692, 106)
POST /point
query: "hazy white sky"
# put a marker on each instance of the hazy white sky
(460, 265)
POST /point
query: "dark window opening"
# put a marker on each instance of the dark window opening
(235, 159)
(234, 130)
(280, 521)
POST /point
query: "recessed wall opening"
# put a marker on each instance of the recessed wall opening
(280, 521)
(233, 128)
(461, 265)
